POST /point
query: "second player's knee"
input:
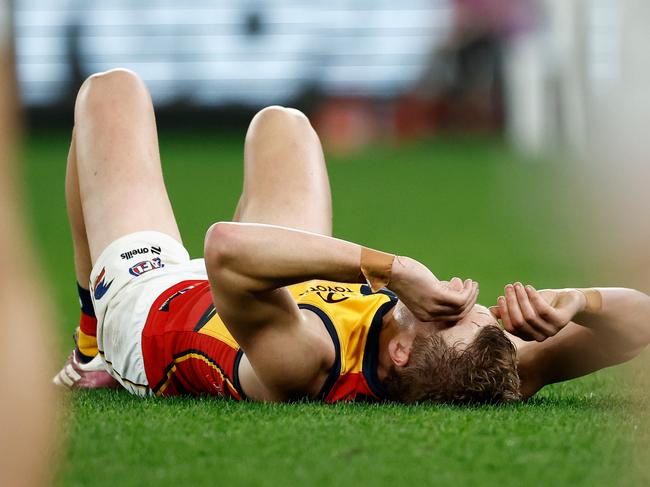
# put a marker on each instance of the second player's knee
(102, 90)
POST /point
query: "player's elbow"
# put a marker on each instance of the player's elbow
(221, 247)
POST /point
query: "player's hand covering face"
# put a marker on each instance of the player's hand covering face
(428, 298)
(537, 315)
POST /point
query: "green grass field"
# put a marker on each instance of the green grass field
(464, 207)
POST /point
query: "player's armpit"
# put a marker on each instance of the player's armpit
(272, 371)
(287, 351)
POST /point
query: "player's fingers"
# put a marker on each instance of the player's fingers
(444, 310)
(449, 314)
(465, 308)
(456, 284)
(513, 307)
(530, 314)
(543, 309)
(527, 310)
(519, 324)
(503, 312)
(461, 298)
(445, 315)
(470, 291)
(474, 296)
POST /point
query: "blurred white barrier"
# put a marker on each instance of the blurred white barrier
(580, 81)
(223, 52)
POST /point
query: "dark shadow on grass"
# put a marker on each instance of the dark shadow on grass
(589, 402)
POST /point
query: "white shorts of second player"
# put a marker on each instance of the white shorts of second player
(125, 281)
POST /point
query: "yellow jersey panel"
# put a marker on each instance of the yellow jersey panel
(353, 315)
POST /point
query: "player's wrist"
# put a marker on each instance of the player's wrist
(591, 300)
(400, 273)
(377, 268)
(581, 299)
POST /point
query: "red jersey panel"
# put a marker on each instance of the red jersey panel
(185, 349)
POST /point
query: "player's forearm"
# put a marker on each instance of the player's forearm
(623, 315)
(610, 328)
(263, 257)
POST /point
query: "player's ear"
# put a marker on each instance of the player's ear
(399, 349)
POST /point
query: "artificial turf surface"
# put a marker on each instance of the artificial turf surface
(466, 207)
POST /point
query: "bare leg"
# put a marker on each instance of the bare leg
(82, 262)
(121, 185)
(285, 177)
(114, 186)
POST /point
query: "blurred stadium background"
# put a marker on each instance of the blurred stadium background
(364, 69)
(497, 139)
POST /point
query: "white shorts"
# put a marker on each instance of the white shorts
(125, 281)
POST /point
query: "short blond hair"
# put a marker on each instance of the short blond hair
(483, 372)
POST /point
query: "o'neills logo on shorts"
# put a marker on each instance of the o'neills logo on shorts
(144, 250)
(132, 253)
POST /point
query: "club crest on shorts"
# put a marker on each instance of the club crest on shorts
(101, 286)
(146, 266)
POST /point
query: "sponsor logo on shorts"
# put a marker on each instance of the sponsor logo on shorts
(144, 250)
(101, 286)
(132, 253)
(146, 266)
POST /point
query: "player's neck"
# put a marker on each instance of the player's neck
(389, 330)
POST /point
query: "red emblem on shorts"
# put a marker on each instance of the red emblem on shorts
(146, 266)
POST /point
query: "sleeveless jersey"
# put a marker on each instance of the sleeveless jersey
(187, 349)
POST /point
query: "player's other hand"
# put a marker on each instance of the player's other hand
(428, 298)
(537, 315)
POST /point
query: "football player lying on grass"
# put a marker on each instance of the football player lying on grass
(278, 310)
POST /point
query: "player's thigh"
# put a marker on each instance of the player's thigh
(285, 176)
(120, 178)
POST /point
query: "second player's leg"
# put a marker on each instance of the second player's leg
(285, 177)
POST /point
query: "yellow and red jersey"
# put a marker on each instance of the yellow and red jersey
(187, 349)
